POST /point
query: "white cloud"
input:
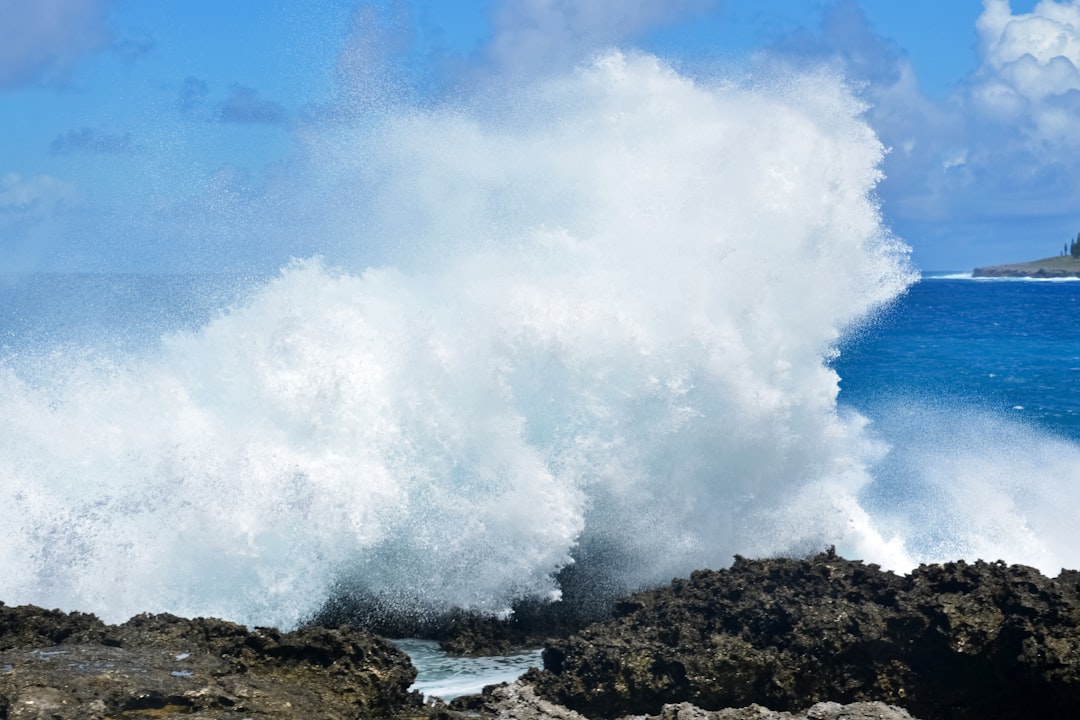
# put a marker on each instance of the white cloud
(1002, 150)
(34, 212)
(43, 38)
(1029, 67)
(1048, 32)
(38, 192)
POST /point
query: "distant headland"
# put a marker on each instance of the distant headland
(1056, 267)
(1066, 265)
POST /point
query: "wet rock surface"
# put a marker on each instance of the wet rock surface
(519, 701)
(820, 711)
(59, 666)
(957, 641)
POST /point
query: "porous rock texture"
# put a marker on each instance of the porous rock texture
(957, 641)
(819, 711)
(73, 666)
(519, 701)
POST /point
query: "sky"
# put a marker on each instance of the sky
(169, 135)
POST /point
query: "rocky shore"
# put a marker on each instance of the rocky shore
(60, 666)
(957, 641)
(814, 638)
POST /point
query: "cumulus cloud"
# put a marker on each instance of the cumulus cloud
(93, 141)
(1022, 113)
(1029, 73)
(924, 138)
(1000, 150)
(43, 38)
(244, 106)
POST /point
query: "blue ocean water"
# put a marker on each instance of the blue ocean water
(1009, 347)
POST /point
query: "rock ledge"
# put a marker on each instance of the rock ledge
(957, 641)
(72, 666)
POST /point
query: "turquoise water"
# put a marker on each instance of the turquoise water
(447, 677)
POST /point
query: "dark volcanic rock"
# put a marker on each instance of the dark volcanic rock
(958, 641)
(59, 666)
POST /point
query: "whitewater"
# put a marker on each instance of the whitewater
(592, 317)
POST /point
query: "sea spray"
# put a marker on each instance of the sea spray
(963, 481)
(601, 318)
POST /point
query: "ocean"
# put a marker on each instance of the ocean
(621, 319)
(1007, 347)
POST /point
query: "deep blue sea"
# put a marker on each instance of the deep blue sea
(1010, 347)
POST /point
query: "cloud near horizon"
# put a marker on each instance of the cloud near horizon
(1021, 111)
(33, 213)
(19, 194)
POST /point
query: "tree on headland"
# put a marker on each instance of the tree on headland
(1074, 248)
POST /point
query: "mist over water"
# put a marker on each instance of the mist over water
(962, 482)
(599, 315)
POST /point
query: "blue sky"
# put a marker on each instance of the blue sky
(167, 134)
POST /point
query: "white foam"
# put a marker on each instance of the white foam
(446, 677)
(604, 317)
(962, 482)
